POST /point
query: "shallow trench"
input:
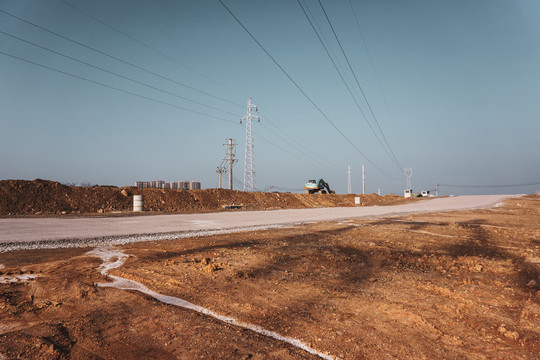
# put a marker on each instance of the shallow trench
(114, 258)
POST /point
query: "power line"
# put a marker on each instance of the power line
(156, 51)
(180, 63)
(122, 61)
(115, 88)
(113, 57)
(359, 86)
(376, 76)
(301, 90)
(116, 74)
(306, 153)
(288, 152)
(490, 186)
(342, 78)
(319, 30)
(145, 45)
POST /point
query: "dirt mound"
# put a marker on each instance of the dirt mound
(37, 197)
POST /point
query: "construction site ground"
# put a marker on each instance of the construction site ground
(428, 286)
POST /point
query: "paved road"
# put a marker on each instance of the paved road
(23, 230)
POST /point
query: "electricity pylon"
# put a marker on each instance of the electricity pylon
(249, 165)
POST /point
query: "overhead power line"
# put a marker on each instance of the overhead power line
(115, 88)
(113, 57)
(156, 51)
(360, 87)
(343, 79)
(301, 90)
(149, 47)
(489, 186)
(287, 135)
(305, 153)
(313, 164)
(377, 76)
(116, 74)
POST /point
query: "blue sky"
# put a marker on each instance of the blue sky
(453, 85)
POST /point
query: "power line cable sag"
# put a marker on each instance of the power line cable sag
(302, 91)
(359, 86)
(319, 30)
(116, 74)
(343, 80)
(287, 134)
(288, 152)
(115, 58)
(115, 88)
(306, 153)
(377, 78)
(155, 50)
(489, 186)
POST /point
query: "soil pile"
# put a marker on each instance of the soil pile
(37, 197)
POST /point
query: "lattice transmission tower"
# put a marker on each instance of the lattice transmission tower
(249, 165)
(408, 172)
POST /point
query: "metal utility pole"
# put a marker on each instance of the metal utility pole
(349, 183)
(363, 180)
(437, 190)
(249, 165)
(230, 159)
(220, 170)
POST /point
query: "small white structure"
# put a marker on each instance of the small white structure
(138, 203)
(408, 193)
(425, 193)
(357, 200)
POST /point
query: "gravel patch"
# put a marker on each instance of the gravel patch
(127, 239)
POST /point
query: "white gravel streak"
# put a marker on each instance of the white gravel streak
(114, 259)
(128, 239)
(16, 278)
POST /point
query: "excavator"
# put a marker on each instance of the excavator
(318, 187)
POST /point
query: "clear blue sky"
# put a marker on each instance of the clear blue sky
(454, 86)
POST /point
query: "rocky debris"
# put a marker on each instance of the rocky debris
(508, 334)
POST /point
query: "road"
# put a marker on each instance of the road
(28, 230)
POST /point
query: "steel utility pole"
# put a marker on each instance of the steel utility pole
(249, 164)
(363, 180)
(349, 183)
(220, 170)
(230, 159)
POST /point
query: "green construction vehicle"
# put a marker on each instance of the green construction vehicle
(318, 187)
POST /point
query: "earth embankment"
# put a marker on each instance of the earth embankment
(43, 197)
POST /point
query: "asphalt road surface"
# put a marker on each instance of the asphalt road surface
(32, 230)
